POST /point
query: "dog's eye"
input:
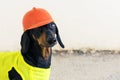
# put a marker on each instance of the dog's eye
(53, 27)
(36, 32)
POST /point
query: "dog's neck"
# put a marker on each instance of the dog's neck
(36, 57)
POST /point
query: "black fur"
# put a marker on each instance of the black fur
(14, 75)
(32, 51)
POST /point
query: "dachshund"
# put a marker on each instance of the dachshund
(37, 45)
(36, 51)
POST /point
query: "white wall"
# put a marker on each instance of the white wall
(82, 23)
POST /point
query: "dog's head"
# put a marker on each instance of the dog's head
(45, 36)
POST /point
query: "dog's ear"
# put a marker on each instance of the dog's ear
(25, 42)
(58, 38)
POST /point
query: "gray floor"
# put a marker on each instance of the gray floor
(86, 67)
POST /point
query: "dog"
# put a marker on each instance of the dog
(33, 62)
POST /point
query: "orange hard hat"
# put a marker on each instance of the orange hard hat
(35, 18)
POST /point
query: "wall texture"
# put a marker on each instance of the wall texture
(82, 23)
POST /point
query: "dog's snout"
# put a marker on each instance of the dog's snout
(51, 40)
(54, 40)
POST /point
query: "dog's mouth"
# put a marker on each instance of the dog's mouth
(50, 42)
(46, 44)
(51, 45)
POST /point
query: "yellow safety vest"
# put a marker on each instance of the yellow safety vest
(27, 72)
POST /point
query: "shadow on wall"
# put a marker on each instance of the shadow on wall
(87, 51)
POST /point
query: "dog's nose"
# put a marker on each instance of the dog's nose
(54, 40)
(51, 41)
